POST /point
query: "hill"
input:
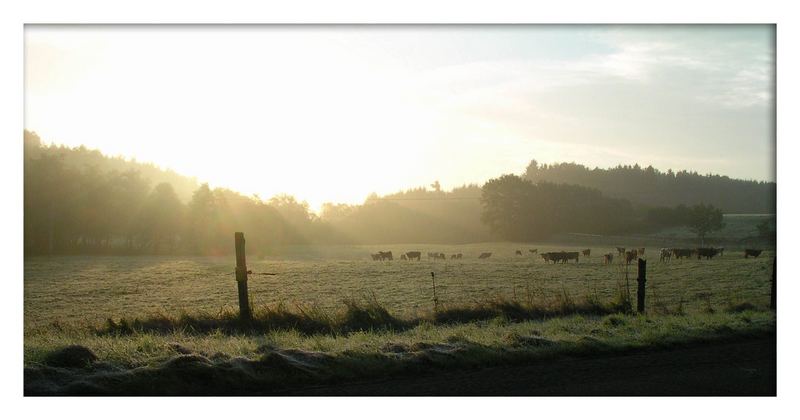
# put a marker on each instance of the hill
(654, 188)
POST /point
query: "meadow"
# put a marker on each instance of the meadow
(138, 315)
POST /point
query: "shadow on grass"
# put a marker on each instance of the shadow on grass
(357, 315)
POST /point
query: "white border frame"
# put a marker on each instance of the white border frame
(409, 11)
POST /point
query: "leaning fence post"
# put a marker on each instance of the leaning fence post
(773, 297)
(241, 276)
(641, 280)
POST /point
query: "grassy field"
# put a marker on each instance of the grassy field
(371, 317)
(79, 290)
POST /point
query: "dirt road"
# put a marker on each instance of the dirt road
(740, 368)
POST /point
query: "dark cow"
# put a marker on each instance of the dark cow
(666, 254)
(709, 253)
(683, 252)
(411, 255)
(375, 257)
(620, 251)
(484, 255)
(456, 256)
(403, 257)
(608, 258)
(630, 256)
(586, 252)
(386, 255)
(752, 252)
(561, 257)
(534, 251)
(518, 252)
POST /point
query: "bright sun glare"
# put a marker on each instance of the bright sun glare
(330, 114)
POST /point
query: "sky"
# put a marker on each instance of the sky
(334, 113)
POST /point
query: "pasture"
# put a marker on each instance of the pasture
(89, 290)
(187, 303)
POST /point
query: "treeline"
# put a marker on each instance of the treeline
(653, 188)
(78, 158)
(75, 206)
(516, 209)
(412, 216)
(77, 200)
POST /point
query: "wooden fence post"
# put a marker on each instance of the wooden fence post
(435, 300)
(773, 295)
(641, 280)
(241, 276)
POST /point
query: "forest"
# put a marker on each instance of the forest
(77, 201)
(652, 187)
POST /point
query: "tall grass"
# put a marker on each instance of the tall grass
(365, 314)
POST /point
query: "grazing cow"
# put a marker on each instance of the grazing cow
(709, 253)
(484, 255)
(752, 252)
(620, 251)
(561, 257)
(586, 252)
(608, 258)
(375, 257)
(411, 255)
(641, 252)
(666, 254)
(630, 256)
(403, 257)
(534, 251)
(456, 256)
(386, 255)
(518, 252)
(683, 252)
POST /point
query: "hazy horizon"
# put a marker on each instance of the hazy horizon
(309, 110)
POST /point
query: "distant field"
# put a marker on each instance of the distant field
(89, 290)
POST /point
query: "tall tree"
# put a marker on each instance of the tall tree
(704, 219)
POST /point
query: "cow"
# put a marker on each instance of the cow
(518, 252)
(608, 258)
(456, 256)
(375, 257)
(630, 256)
(709, 253)
(386, 255)
(620, 251)
(683, 252)
(534, 251)
(403, 257)
(666, 254)
(752, 252)
(641, 252)
(561, 257)
(413, 255)
(546, 257)
(484, 255)
(440, 256)
(586, 252)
